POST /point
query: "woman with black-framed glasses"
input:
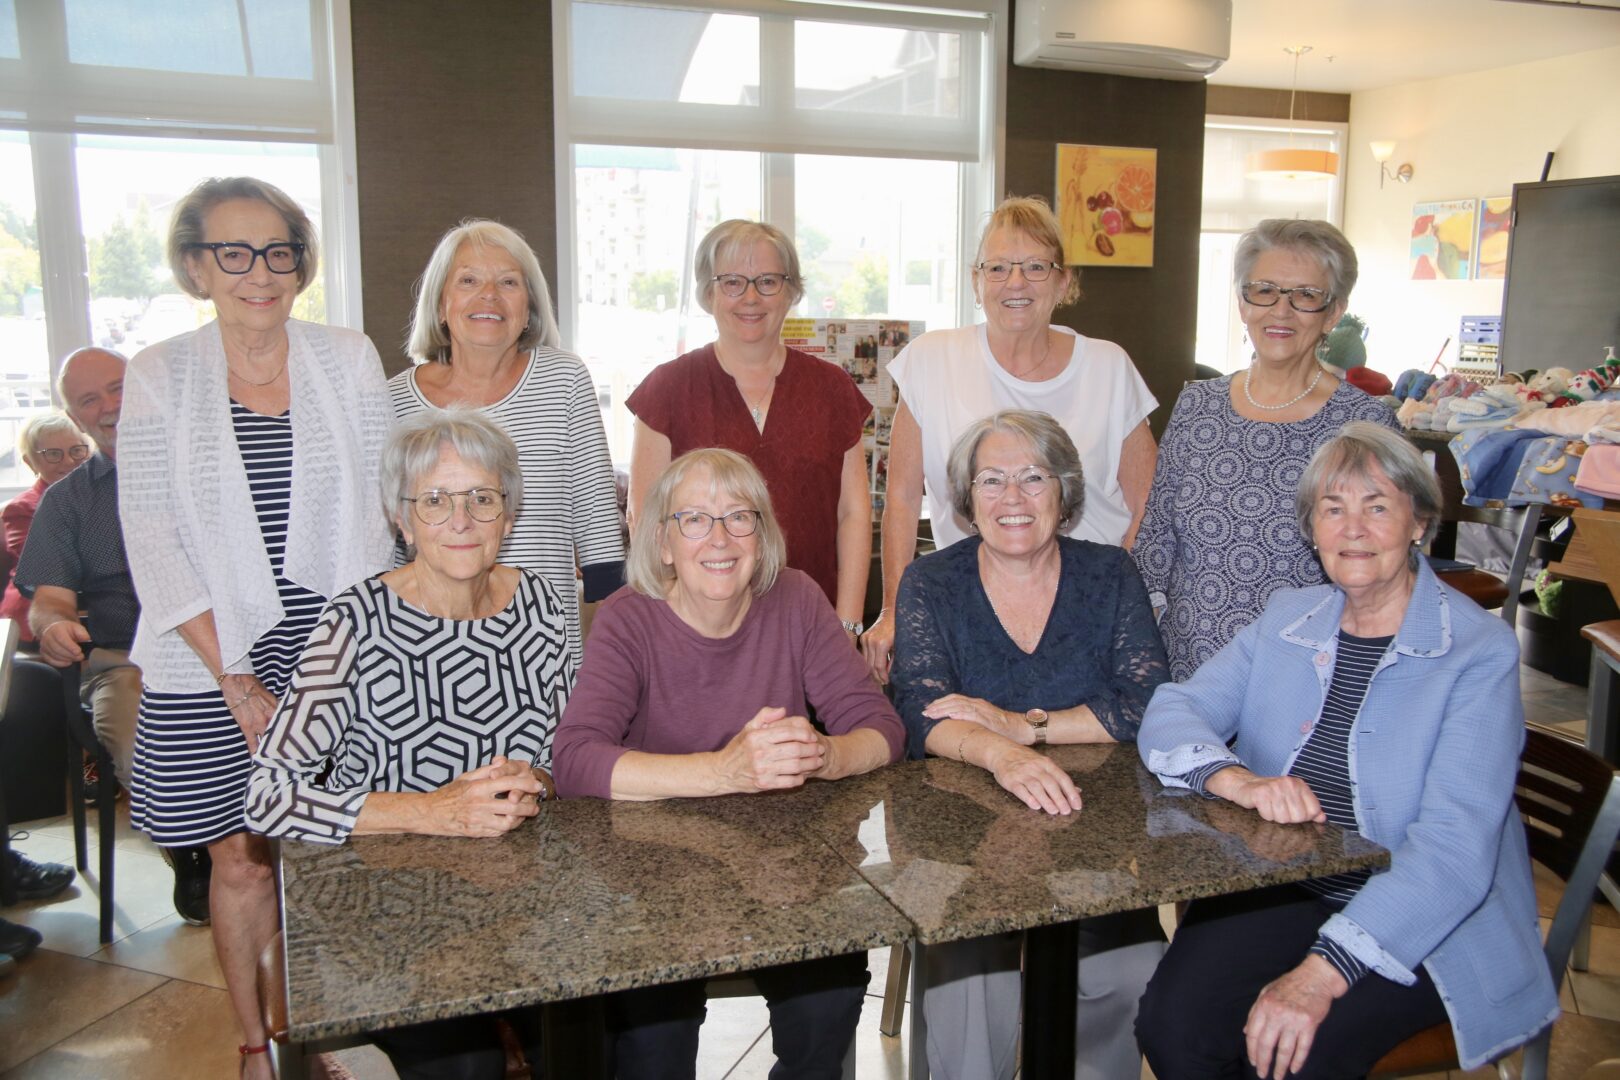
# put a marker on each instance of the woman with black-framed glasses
(426, 698)
(1219, 536)
(247, 454)
(796, 417)
(697, 681)
(51, 445)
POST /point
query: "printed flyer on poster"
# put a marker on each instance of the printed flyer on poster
(862, 347)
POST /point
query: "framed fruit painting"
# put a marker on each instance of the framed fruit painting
(1105, 197)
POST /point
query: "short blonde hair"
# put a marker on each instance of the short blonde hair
(186, 226)
(430, 339)
(729, 472)
(1054, 451)
(36, 427)
(1030, 215)
(726, 239)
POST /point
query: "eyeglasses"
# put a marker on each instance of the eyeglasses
(765, 284)
(993, 483)
(1034, 269)
(1305, 299)
(435, 506)
(239, 258)
(695, 524)
(77, 453)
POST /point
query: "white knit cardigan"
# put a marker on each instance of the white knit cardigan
(190, 530)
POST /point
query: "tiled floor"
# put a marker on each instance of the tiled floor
(152, 1004)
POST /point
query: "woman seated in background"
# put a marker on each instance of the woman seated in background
(452, 650)
(697, 680)
(1415, 744)
(1017, 637)
(1219, 535)
(52, 446)
(1017, 359)
(795, 416)
(483, 335)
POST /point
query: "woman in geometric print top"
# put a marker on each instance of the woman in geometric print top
(426, 697)
(1384, 702)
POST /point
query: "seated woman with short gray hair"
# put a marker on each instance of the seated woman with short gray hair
(453, 654)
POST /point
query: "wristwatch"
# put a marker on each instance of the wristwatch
(1036, 718)
(853, 627)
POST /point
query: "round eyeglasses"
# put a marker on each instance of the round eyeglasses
(435, 506)
(695, 524)
(1305, 299)
(239, 258)
(1033, 269)
(993, 483)
(54, 456)
(736, 284)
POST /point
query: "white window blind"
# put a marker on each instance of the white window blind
(1233, 202)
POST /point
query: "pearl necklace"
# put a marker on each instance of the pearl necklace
(1303, 394)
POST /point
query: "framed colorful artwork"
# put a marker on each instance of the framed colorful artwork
(1443, 240)
(1491, 245)
(1105, 201)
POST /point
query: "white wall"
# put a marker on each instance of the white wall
(1466, 136)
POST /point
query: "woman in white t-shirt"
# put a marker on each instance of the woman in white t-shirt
(1015, 360)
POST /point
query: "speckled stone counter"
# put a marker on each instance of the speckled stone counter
(592, 897)
(587, 898)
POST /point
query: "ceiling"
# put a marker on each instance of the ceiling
(1366, 44)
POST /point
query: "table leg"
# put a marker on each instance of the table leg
(1051, 987)
(919, 1019)
(1602, 723)
(574, 1039)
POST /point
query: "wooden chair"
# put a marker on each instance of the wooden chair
(82, 740)
(1488, 590)
(1569, 800)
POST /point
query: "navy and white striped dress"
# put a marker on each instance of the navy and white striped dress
(191, 758)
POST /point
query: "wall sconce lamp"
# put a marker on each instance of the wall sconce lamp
(1382, 151)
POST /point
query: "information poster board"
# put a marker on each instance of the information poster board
(862, 347)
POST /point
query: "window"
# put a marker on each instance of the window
(110, 110)
(1232, 203)
(858, 131)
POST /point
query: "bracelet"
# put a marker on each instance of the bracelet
(243, 700)
(219, 680)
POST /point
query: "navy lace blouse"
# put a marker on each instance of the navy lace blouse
(1100, 646)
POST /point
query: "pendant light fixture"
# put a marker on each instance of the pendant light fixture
(1291, 162)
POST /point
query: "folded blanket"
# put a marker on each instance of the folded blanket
(1487, 461)
(1407, 415)
(1574, 421)
(1479, 411)
(1600, 471)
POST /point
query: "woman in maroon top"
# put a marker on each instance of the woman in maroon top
(53, 446)
(796, 417)
(696, 679)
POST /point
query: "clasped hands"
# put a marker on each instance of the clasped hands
(772, 751)
(487, 801)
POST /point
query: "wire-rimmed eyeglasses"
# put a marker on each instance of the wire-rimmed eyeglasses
(1033, 269)
(1305, 299)
(54, 456)
(695, 524)
(735, 285)
(435, 506)
(993, 483)
(234, 258)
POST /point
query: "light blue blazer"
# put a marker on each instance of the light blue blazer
(1433, 757)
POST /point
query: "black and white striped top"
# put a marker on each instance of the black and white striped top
(570, 509)
(266, 446)
(1324, 763)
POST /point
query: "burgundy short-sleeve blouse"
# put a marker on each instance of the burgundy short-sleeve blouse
(816, 415)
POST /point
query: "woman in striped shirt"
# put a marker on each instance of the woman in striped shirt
(483, 335)
(247, 472)
(1387, 703)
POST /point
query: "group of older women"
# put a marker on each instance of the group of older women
(302, 651)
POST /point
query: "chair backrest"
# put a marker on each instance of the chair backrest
(1569, 799)
(10, 633)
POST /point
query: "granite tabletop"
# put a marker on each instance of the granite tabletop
(593, 896)
(587, 898)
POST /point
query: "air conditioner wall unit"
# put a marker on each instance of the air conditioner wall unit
(1150, 39)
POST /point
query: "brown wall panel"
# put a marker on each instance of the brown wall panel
(1151, 312)
(453, 119)
(1273, 104)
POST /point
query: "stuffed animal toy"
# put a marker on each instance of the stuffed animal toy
(1549, 385)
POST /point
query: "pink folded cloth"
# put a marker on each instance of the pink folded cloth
(1600, 471)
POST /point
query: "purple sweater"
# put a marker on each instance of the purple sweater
(651, 683)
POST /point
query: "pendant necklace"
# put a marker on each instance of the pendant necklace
(1303, 394)
(250, 382)
(754, 409)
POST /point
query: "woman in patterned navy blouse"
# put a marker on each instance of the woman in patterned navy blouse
(1219, 534)
(426, 697)
(1017, 637)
